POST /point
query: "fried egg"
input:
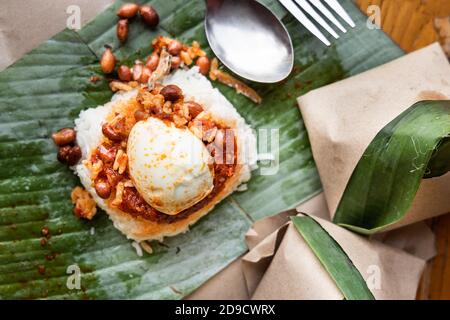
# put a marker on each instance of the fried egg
(195, 88)
(168, 166)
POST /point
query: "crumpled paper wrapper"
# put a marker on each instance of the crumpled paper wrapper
(20, 33)
(294, 272)
(280, 265)
(344, 117)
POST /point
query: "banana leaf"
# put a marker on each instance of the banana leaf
(47, 88)
(333, 258)
(382, 187)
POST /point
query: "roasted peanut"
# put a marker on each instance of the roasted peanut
(74, 155)
(113, 176)
(107, 155)
(108, 61)
(149, 15)
(69, 154)
(194, 108)
(152, 61)
(140, 115)
(63, 153)
(128, 10)
(174, 47)
(203, 64)
(124, 73)
(102, 188)
(171, 93)
(138, 69)
(175, 62)
(64, 136)
(122, 30)
(112, 134)
(146, 73)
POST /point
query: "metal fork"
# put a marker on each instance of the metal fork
(298, 8)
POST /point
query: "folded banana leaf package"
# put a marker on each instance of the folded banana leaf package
(286, 262)
(299, 261)
(381, 142)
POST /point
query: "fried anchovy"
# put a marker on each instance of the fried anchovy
(162, 69)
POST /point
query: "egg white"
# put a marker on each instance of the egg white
(168, 165)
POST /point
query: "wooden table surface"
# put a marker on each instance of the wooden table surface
(414, 24)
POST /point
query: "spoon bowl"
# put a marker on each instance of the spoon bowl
(249, 39)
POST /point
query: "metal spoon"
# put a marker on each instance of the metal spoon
(249, 39)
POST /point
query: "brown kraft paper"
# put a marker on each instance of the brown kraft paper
(288, 268)
(344, 117)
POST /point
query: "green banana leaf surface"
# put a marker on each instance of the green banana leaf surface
(382, 187)
(45, 91)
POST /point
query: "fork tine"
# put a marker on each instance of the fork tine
(340, 11)
(310, 10)
(301, 17)
(328, 14)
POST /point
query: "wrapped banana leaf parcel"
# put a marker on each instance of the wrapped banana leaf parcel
(312, 258)
(381, 142)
